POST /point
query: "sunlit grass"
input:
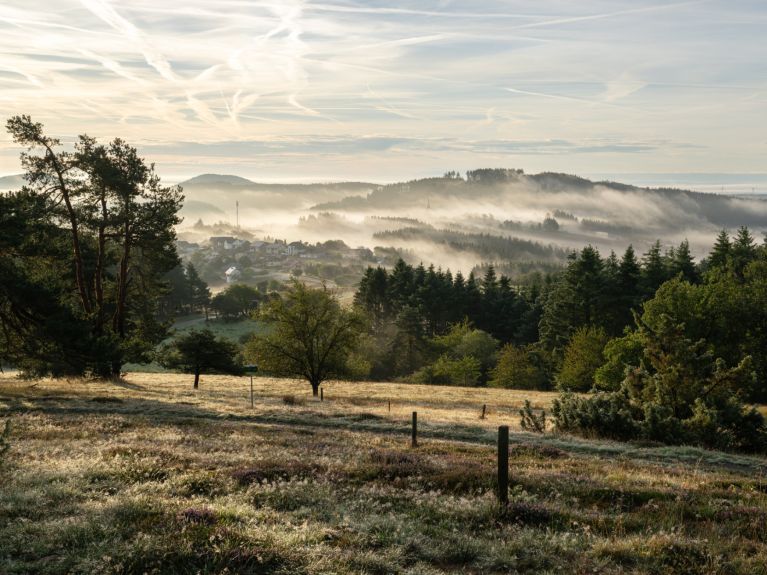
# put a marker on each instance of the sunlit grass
(150, 476)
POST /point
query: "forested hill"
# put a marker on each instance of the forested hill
(223, 181)
(11, 182)
(552, 191)
(490, 247)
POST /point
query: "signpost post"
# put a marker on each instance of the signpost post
(251, 369)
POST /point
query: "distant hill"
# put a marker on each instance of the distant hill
(225, 190)
(11, 182)
(208, 179)
(621, 204)
(213, 181)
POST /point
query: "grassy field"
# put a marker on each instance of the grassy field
(148, 476)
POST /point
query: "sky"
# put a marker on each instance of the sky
(383, 91)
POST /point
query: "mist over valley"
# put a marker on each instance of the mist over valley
(519, 222)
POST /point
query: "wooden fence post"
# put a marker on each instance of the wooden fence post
(484, 409)
(503, 465)
(251, 369)
(414, 442)
(322, 394)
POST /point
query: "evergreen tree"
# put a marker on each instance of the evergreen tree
(374, 295)
(490, 308)
(116, 219)
(458, 298)
(473, 301)
(654, 271)
(720, 254)
(199, 289)
(683, 263)
(401, 286)
(629, 282)
(743, 251)
(612, 303)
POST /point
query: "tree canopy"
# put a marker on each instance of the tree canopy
(311, 336)
(200, 352)
(84, 249)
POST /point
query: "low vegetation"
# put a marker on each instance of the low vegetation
(149, 476)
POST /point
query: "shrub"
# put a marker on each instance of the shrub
(529, 421)
(681, 394)
(291, 399)
(602, 415)
(465, 371)
(612, 415)
(619, 354)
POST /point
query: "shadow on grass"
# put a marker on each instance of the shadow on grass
(310, 420)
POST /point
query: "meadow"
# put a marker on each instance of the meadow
(148, 476)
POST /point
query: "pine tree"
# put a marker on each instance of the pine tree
(722, 251)
(744, 251)
(373, 295)
(458, 297)
(473, 299)
(654, 271)
(200, 291)
(490, 306)
(118, 223)
(401, 285)
(684, 263)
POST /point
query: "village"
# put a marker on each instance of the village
(269, 262)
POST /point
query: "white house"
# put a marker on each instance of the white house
(232, 275)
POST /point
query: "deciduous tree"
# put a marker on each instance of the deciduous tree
(311, 336)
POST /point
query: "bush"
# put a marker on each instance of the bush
(291, 399)
(727, 426)
(529, 421)
(601, 415)
(612, 415)
(680, 393)
(465, 371)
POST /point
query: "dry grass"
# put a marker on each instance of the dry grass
(148, 476)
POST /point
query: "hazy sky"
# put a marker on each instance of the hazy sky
(300, 90)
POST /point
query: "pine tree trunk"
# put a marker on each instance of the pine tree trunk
(315, 388)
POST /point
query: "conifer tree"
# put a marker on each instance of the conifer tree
(683, 263)
(721, 252)
(654, 271)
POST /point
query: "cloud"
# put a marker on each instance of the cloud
(154, 58)
(452, 83)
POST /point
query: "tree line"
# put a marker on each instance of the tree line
(670, 349)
